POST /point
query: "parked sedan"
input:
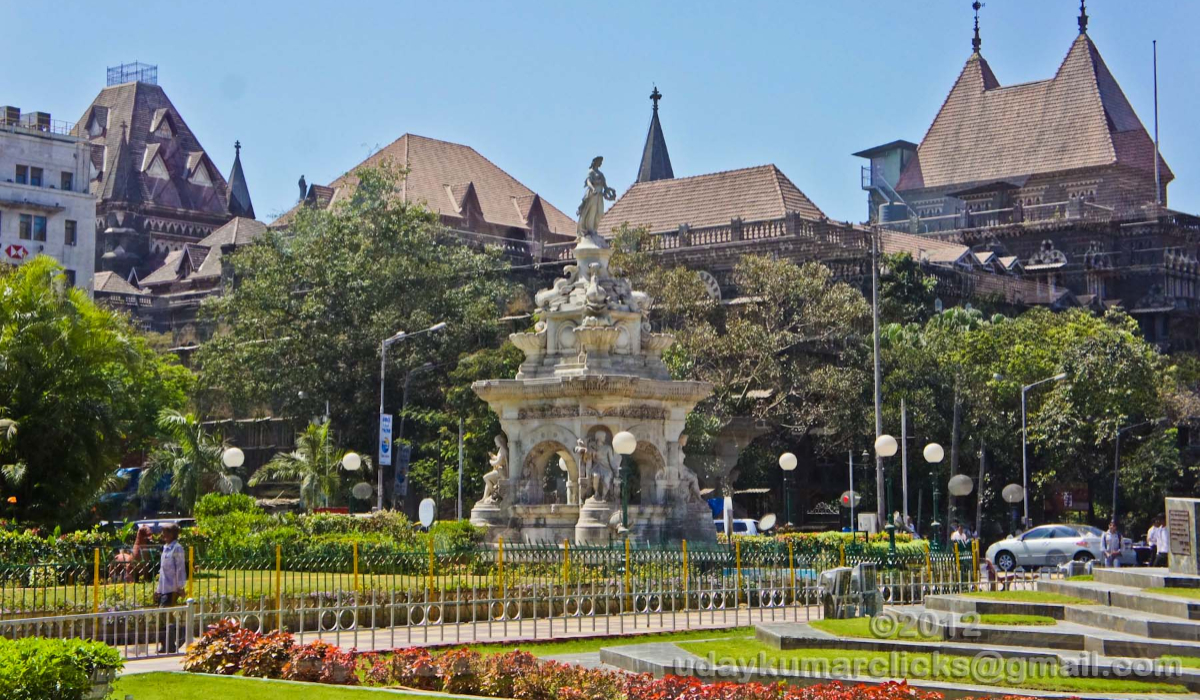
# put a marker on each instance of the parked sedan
(1051, 545)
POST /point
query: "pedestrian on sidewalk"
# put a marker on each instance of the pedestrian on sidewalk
(172, 582)
(1110, 545)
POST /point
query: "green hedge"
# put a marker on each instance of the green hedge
(35, 668)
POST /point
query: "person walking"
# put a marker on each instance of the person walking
(1110, 545)
(1152, 539)
(1162, 544)
(172, 582)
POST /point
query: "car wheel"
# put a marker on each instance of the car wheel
(1005, 561)
(1084, 557)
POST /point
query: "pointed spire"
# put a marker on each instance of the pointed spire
(239, 193)
(976, 42)
(656, 162)
(1083, 18)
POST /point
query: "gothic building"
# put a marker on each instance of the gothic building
(158, 189)
(1057, 174)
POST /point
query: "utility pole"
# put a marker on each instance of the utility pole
(459, 510)
(904, 456)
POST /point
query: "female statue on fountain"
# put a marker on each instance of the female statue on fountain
(591, 209)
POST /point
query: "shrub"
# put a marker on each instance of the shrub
(501, 671)
(214, 505)
(267, 655)
(458, 670)
(35, 668)
(340, 667)
(221, 649)
(414, 668)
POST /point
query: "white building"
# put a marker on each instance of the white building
(45, 204)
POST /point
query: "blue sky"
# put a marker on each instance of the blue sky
(541, 87)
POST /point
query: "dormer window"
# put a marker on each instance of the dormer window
(161, 125)
(153, 165)
(200, 176)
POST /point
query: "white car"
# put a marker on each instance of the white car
(1051, 545)
(741, 526)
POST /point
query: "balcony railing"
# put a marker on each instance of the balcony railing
(1070, 210)
(47, 126)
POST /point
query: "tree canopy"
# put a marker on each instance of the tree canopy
(81, 388)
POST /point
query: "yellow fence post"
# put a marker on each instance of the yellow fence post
(431, 560)
(566, 561)
(685, 576)
(500, 561)
(628, 596)
(975, 561)
(737, 561)
(928, 563)
(278, 587)
(357, 590)
(842, 550)
(96, 581)
(792, 566)
(191, 569)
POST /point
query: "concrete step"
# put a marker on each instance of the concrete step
(1128, 597)
(1145, 577)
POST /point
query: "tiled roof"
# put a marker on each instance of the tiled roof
(1080, 118)
(238, 232)
(173, 269)
(135, 111)
(753, 194)
(433, 166)
(113, 283)
(923, 248)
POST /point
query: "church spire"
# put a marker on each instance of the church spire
(1083, 18)
(976, 42)
(239, 193)
(656, 162)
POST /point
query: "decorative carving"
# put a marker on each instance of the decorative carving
(1048, 255)
(605, 465)
(494, 479)
(561, 411)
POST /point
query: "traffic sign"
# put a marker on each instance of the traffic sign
(385, 439)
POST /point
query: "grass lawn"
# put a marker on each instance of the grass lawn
(1082, 577)
(1005, 619)
(1185, 661)
(188, 686)
(888, 628)
(1031, 597)
(591, 644)
(1191, 593)
(1018, 673)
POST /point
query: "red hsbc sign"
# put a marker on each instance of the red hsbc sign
(16, 252)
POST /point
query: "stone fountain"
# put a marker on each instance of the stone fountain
(593, 368)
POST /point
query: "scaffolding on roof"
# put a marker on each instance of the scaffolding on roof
(135, 72)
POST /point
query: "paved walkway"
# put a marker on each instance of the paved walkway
(518, 631)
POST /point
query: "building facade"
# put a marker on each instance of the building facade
(46, 207)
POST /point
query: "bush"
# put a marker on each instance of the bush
(458, 670)
(221, 649)
(215, 505)
(267, 656)
(35, 668)
(414, 668)
(500, 673)
(322, 663)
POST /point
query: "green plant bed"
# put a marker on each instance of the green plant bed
(1185, 661)
(592, 644)
(1031, 597)
(750, 653)
(1024, 620)
(1190, 593)
(191, 686)
(869, 628)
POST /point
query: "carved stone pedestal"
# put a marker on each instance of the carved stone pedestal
(545, 524)
(488, 515)
(592, 528)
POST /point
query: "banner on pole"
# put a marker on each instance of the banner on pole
(385, 439)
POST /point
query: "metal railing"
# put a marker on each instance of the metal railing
(135, 633)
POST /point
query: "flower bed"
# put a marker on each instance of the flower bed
(227, 648)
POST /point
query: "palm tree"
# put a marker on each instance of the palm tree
(315, 463)
(191, 456)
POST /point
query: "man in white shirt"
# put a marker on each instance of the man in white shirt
(1152, 539)
(1110, 545)
(1162, 545)
(172, 582)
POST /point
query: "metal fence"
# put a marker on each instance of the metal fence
(512, 593)
(106, 581)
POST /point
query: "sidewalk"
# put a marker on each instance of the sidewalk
(522, 631)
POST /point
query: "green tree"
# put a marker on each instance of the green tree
(304, 321)
(316, 464)
(189, 455)
(82, 388)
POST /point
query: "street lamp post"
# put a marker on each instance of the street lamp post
(934, 454)
(1013, 494)
(886, 446)
(400, 428)
(1024, 449)
(383, 348)
(787, 462)
(1117, 458)
(624, 443)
